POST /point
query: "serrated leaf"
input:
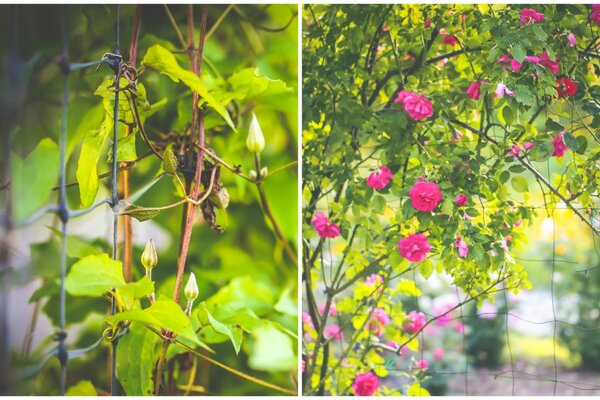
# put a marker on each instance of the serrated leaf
(136, 360)
(541, 151)
(164, 313)
(140, 213)
(163, 61)
(33, 178)
(136, 290)
(519, 183)
(94, 275)
(570, 141)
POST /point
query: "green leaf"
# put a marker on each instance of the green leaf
(552, 125)
(519, 183)
(273, 350)
(163, 61)
(508, 115)
(83, 388)
(541, 151)
(219, 327)
(94, 275)
(136, 358)
(447, 206)
(140, 213)
(571, 141)
(248, 84)
(244, 292)
(582, 144)
(136, 290)
(287, 303)
(426, 268)
(518, 53)
(125, 149)
(164, 313)
(87, 165)
(76, 247)
(33, 178)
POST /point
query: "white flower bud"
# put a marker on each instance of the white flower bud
(256, 140)
(264, 171)
(191, 288)
(149, 257)
(252, 174)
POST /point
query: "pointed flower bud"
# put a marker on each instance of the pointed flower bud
(149, 257)
(252, 174)
(264, 171)
(191, 288)
(256, 140)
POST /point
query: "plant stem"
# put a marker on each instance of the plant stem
(160, 367)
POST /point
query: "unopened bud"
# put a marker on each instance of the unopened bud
(256, 140)
(191, 288)
(264, 171)
(169, 163)
(252, 174)
(149, 257)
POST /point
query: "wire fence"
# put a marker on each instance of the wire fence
(62, 210)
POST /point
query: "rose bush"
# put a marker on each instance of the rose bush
(466, 106)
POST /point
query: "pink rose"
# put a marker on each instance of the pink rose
(438, 354)
(414, 247)
(527, 145)
(449, 40)
(532, 59)
(572, 40)
(379, 318)
(417, 107)
(515, 150)
(379, 180)
(307, 321)
(559, 146)
(333, 332)
(501, 89)
(425, 196)
(461, 245)
(332, 310)
(324, 227)
(365, 384)
(530, 16)
(595, 15)
(461, 200)
(474, 90)
(417, 321)
(427, 23)
(459, 327)
(422, 364)
(546, 62)
(443, 317)
(515, 65)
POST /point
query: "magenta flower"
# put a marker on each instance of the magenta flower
(559, 146)
(532, 59)
(417, 321)
(515, 150)
(324, 227)
(307, 323)
(416, 106)
(572, 40)
(425, 196)
(422, 364)
(501, 89)
(461, 245)
(333, 332)
(438, 354)
(527, 145)
(427, 23)
(449, 40)
(546, 62)
(332, 310)
(530, 16)
(379, 180)
(365, 384)
(474, 90)
(379, 318)
(414, 247)
(461, 199)
(595, 15)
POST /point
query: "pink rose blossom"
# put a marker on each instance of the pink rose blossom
(425, 196)
(505, 58)
(532, 59)
(414, 247)
(333, 332)
(595, 15)
(416, 106)
(467, 216)
(379, 180)
(307, 321)
(501, 89)
(461, 199)
(546, 62)
(559, 146)
(459, 327)
(438, 354)
(443, 317)
(332, 310)
(572, 40)
(379, 318)
(527, 145)
(324, 227)
(365, 384)
(515, 150)
(427, 23)
(515, 65)
(417, 321)
(530, 16)
(422, 364)
(461, 245)
(449, 40)
(474, 90)
(375, 280)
